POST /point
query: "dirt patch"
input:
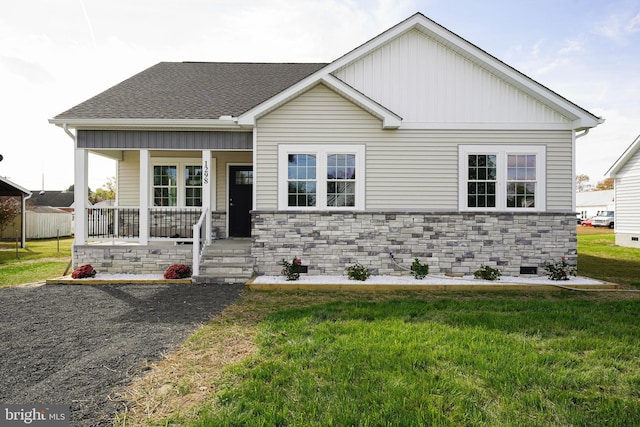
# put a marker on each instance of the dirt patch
(81, 345)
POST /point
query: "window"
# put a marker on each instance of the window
(177, 184)
(193, 185)
(341, 180)
(321, 177)
(521, 180)
(481, 181)
(165, 186)
(495, 177)
(301, 180)
(244, 178)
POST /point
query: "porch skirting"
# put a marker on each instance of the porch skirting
(449, 242)
(116, 259)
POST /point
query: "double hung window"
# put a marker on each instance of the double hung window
(503, 178)
(176, 184)
(321, 177)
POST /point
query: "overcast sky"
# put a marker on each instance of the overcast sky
(56, 54)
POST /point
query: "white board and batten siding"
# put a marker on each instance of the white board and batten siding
(431, 85)
(406, 169)
(627, 202)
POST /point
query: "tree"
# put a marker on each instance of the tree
(107, 193)
(9, 209)
(607, 184)
(582, 182)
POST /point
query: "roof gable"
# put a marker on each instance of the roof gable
(551, 105)
(628, 154)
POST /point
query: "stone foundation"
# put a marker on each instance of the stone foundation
(130, 259)
(449, 242)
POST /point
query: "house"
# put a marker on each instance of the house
(626, 173)
(416, 143)
(9, 189)
(589, 203)
(62, 200)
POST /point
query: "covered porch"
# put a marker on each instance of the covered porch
(173, 188)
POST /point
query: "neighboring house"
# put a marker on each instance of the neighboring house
(589, 203)
(626, 173)
(416, 142)
(56, 199)
(9, 189)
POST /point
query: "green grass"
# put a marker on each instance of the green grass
(38, 261)
(419, 358)
(424, 359)
(600, 258)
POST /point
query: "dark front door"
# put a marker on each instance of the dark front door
(240, 200)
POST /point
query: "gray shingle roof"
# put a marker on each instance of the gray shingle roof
(56, 199)
(192, 90)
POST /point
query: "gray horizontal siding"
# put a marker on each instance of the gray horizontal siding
(164, 140)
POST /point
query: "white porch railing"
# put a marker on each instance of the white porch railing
(199, 240)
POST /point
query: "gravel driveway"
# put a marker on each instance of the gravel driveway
(78, 344)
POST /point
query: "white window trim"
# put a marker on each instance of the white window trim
(501, 152)
(180, 164)
(321, 151)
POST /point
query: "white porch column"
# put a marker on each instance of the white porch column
(206, 191)
(144, 197)
(80, 195)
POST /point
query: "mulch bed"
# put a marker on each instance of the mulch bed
(79, 345)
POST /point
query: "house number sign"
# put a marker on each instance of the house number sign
(205, 174)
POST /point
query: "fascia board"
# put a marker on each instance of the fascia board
(156, 124)
(624, 158)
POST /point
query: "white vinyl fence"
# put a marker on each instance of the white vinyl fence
(41, 225)
(46, 225)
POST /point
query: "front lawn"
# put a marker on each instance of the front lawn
(412, 358)
(41, 259)
(600, 258)
(419, 358)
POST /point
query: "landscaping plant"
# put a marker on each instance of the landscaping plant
(358, 272)
(559, 270)
(419, 270)
(291, 270)
(178, 271)
(486, 272)
(83, 272)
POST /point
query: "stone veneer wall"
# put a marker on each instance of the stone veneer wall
(448, 242)
(219, 223)
(151, 259)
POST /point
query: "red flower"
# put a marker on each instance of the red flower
(297, 260)
(83, 272)
(178, 271)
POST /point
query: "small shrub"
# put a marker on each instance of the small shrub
(178, 271)
(559, 270)
(83, 272)
(419, 270)
(486, 272)
(358, 272)
(291, 270)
